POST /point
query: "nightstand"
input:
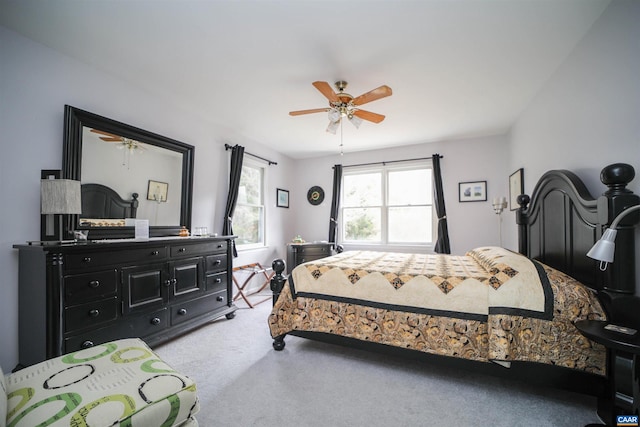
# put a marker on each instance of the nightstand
(298, 253)
(624, 370)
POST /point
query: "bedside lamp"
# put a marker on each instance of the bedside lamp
(604, 248)
(58, 197)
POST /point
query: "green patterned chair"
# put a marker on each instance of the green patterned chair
(121, 383)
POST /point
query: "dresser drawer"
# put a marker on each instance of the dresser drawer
(133, 326)
(91, 314)
(90, 260)
(80, 288)
(216, 262)
(197, 249)
(216, 282)
(188, 310)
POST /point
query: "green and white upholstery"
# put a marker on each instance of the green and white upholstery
(121, 383)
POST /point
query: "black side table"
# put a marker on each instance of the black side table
(624, 370)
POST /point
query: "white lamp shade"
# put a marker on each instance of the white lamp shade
(333, 127)
(604, 248)
(60, 196)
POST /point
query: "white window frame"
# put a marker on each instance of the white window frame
(257, 165)
(384, 243)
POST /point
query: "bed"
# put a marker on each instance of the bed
(103, 207)
(491, 309)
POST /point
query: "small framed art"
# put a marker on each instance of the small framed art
(157, 191)
(473, 191)
(516, 188)
(282, 198)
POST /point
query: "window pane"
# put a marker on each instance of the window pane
(250, 190)
(362, 224)
(410, 225)
(363, 189)
(247, 224)
(411, 187)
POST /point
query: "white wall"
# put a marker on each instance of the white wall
(36, 83)
(471, 224)
(588, 114)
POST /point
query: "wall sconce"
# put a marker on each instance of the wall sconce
(499, 204)
(604, 248)
(57, 197)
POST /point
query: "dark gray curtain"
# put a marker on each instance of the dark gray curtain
(442, 243)
(232, 198)
(335, 204)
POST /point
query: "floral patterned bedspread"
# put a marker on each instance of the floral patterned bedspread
(491, 304)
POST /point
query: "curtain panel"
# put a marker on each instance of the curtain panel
(335, 205)
(442, 242)
(237, 155)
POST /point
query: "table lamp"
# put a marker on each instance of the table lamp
(57, 197)
(604, 248)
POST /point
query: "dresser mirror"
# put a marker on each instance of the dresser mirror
(126, 173)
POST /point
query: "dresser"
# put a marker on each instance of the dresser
(297, 253)
(73, 296)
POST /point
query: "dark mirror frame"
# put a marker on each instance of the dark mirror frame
(74, 120)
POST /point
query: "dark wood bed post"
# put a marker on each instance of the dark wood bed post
(277, 284)
(620, 276)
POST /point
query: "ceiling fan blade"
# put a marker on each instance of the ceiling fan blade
(109, 139)
(377, 93)
(111, 135)
(315, 110)
(326, 90)
(368, 115)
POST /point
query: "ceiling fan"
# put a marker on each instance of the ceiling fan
(341, 104)
(128, 143)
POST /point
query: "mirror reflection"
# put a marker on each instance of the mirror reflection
(129, 167)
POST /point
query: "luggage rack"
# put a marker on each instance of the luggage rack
(253, 270)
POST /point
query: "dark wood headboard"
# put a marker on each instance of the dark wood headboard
(100, 201)
(561, 221)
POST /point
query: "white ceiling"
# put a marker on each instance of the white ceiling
(458, 68)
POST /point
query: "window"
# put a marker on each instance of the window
(388, 205)
(248, 218)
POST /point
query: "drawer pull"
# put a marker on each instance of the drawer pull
(220, 246)
(154, 253)
(87, 344)
(182, 250)
(219, 298)
(218, 262)
(167, 283)
(94, 313)
(86, 259)
(94, 284)
(218, 280)
(155, 321)
(182, 311)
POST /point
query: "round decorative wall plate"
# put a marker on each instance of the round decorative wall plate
(315, 195)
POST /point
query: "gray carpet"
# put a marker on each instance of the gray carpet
(242, 381)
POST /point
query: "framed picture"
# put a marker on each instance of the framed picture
(473, 191)
(157, 191)
(516, 188)
(282, 198)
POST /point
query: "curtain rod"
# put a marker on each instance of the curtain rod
(229, 147)
(393, 161)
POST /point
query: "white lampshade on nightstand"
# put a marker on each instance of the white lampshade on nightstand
(604, 248)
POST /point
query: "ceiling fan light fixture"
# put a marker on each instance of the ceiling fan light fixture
(356, 121)
(334, 115)
(333, 126)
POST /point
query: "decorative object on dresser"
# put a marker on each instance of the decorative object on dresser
(557, 225)
(298, 253)
(73, 296)
(57, 197)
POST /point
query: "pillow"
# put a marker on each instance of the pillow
(499, 263)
